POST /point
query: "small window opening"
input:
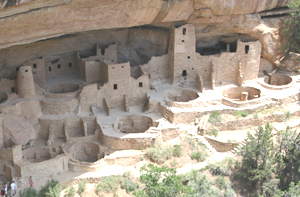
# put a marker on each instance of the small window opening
(192, 68)
(102, 51)
(189, 57)
(58, 66)
(115, 86)
(184, 31)
(26, 70)
(70, 64)
(113, 67)
(122, 66)
(50, 69)
(13, 89)
(184, 73)
(34, 65)
(246, 49)
(205, 70)
(182, 40)
(141, 84)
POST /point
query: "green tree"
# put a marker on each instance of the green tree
(51, 189)
(292, 28)
(257, 165)
(161, 182)
(288, 158)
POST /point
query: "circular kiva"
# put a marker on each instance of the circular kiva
(133, 123)
(180, 95)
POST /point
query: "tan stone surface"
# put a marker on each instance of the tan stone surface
(17, 130)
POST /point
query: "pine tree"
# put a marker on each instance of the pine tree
(257, 165)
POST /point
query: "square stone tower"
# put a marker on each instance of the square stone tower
(182, 53)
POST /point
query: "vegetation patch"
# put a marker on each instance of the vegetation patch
(214, 117)
(160, 153)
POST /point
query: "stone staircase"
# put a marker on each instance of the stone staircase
(236, 149)
(206, 143)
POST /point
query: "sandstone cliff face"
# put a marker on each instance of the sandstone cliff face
(26, 21)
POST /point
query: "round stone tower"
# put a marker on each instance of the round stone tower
(25, 82)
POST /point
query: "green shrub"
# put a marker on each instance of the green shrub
(239, 114)
(213, 132)
(177, 152)
(201, 184)
(70, 192)
(220, 182)
(214, 117)
(174, 163)
(28, 192)
(161, 182)
(51, 189)
(54, 191)
(223, 167)
(160, 153)
(108, 184)
(81, 186)
(128, 183)
(199, 155)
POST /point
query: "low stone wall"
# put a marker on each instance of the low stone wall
(118, 141)
(60, 106)
(221, 146)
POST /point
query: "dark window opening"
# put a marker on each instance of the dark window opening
(70, 64)
(50, 68)
(115, 86)
(246, 49)
(205, 70)
(122, 66)
(17, 69)
(233, 47)
(13, 89)
(141, 84)
(58, 66)
(184, 31)
(189, 57)
(102, 51)
(34, 65)
(182, 40)
(26, 70)
(113, 67)
(192, 68)
(184, 73)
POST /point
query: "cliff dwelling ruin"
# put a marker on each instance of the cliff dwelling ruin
(67, 103)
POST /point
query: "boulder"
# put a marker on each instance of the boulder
(17, 131)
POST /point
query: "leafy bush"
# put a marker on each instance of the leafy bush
(239, 114)
(220, 182)
(161, 182)
(108, 184)
(177, 152)
(192, 141)
(54, 191)
(128, 183)
(201, 184)
(51, 189)
(223, 167)
(28, 192)
(199, 155)
(81, 186)
(214, 117)
(70, 192)
(213, 132)
(174, 163)
(160, 153)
